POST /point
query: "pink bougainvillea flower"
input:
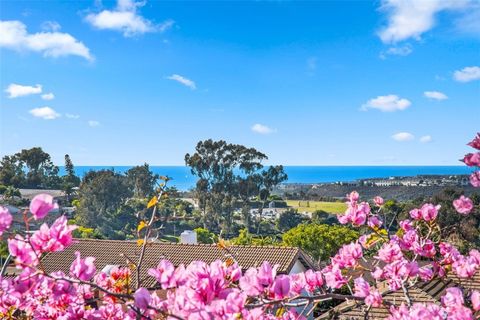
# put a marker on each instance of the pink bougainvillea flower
(374, 299)
(353, 196)
(416, 214)
(164, 273)
(378, 201)
(409, 240)
(362, 288)
(266, 274)
(374, 222)
(453, 297)
(465, 267)
(249, 282)
(417, 311)
(348, 255)
(281, 287)
(390, 252)
(23, 252)
(358, 218)
(142, 298)
(313, 279)
(406, 225)
(475, 297)
(55, 238)
(463, 205)
(5, 219)
(475, 254)
(472, 159)
(298, 283)
(41, 205)
(475, 179)
(343, 218)
(429, 211)
(475, 143)
(334, 278)
(61, 231)
(425, 273)
(356, 213)
(83, 269)
(377, 274)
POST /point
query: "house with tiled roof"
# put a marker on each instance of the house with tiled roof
(121, 253)
(422, 292)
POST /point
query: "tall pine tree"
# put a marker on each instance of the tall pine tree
(70, 180)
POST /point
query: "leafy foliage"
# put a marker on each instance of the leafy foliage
(323, 217)
(142, 181)
(228, 172)
(103, 195)
(290, 219)
(245, 238)
(205, 236)
(321, 241)
(464, 232)
(29, 168)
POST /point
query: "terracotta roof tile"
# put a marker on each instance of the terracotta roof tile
(423, 292)
(116, 252)
(468, 283)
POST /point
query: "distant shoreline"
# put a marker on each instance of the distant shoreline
(184, 180)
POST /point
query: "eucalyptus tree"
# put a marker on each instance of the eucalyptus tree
(41, 172)
(227, 173)
(142, 180)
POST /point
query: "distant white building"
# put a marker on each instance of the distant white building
(267, 213)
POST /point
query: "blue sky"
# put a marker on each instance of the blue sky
(308, 83)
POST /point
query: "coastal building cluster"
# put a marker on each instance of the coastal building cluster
(416, 181)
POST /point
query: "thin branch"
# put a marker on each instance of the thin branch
(147, 233)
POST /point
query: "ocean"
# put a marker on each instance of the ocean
(184, 180)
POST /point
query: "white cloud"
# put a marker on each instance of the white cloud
(388, 103)
(164, 26)
(470, 22)
(411, 18)
(72, 116)
(17, 90)
(125, 18)
(262, 129)
(50, 44)
(186, 82)
(46, 113)
(425, 139)
(467, 74)
(403, 136)
(93, 123)
(436, 95)
(51, 26)
(397, 51)
(48, 96)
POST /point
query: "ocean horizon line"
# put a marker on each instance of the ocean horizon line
(183, 179)
(285, 165)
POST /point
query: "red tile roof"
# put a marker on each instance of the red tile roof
(117, 252)
(422, 292)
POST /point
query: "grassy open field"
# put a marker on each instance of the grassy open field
(311, 206)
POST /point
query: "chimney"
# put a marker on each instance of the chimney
(188, 237)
